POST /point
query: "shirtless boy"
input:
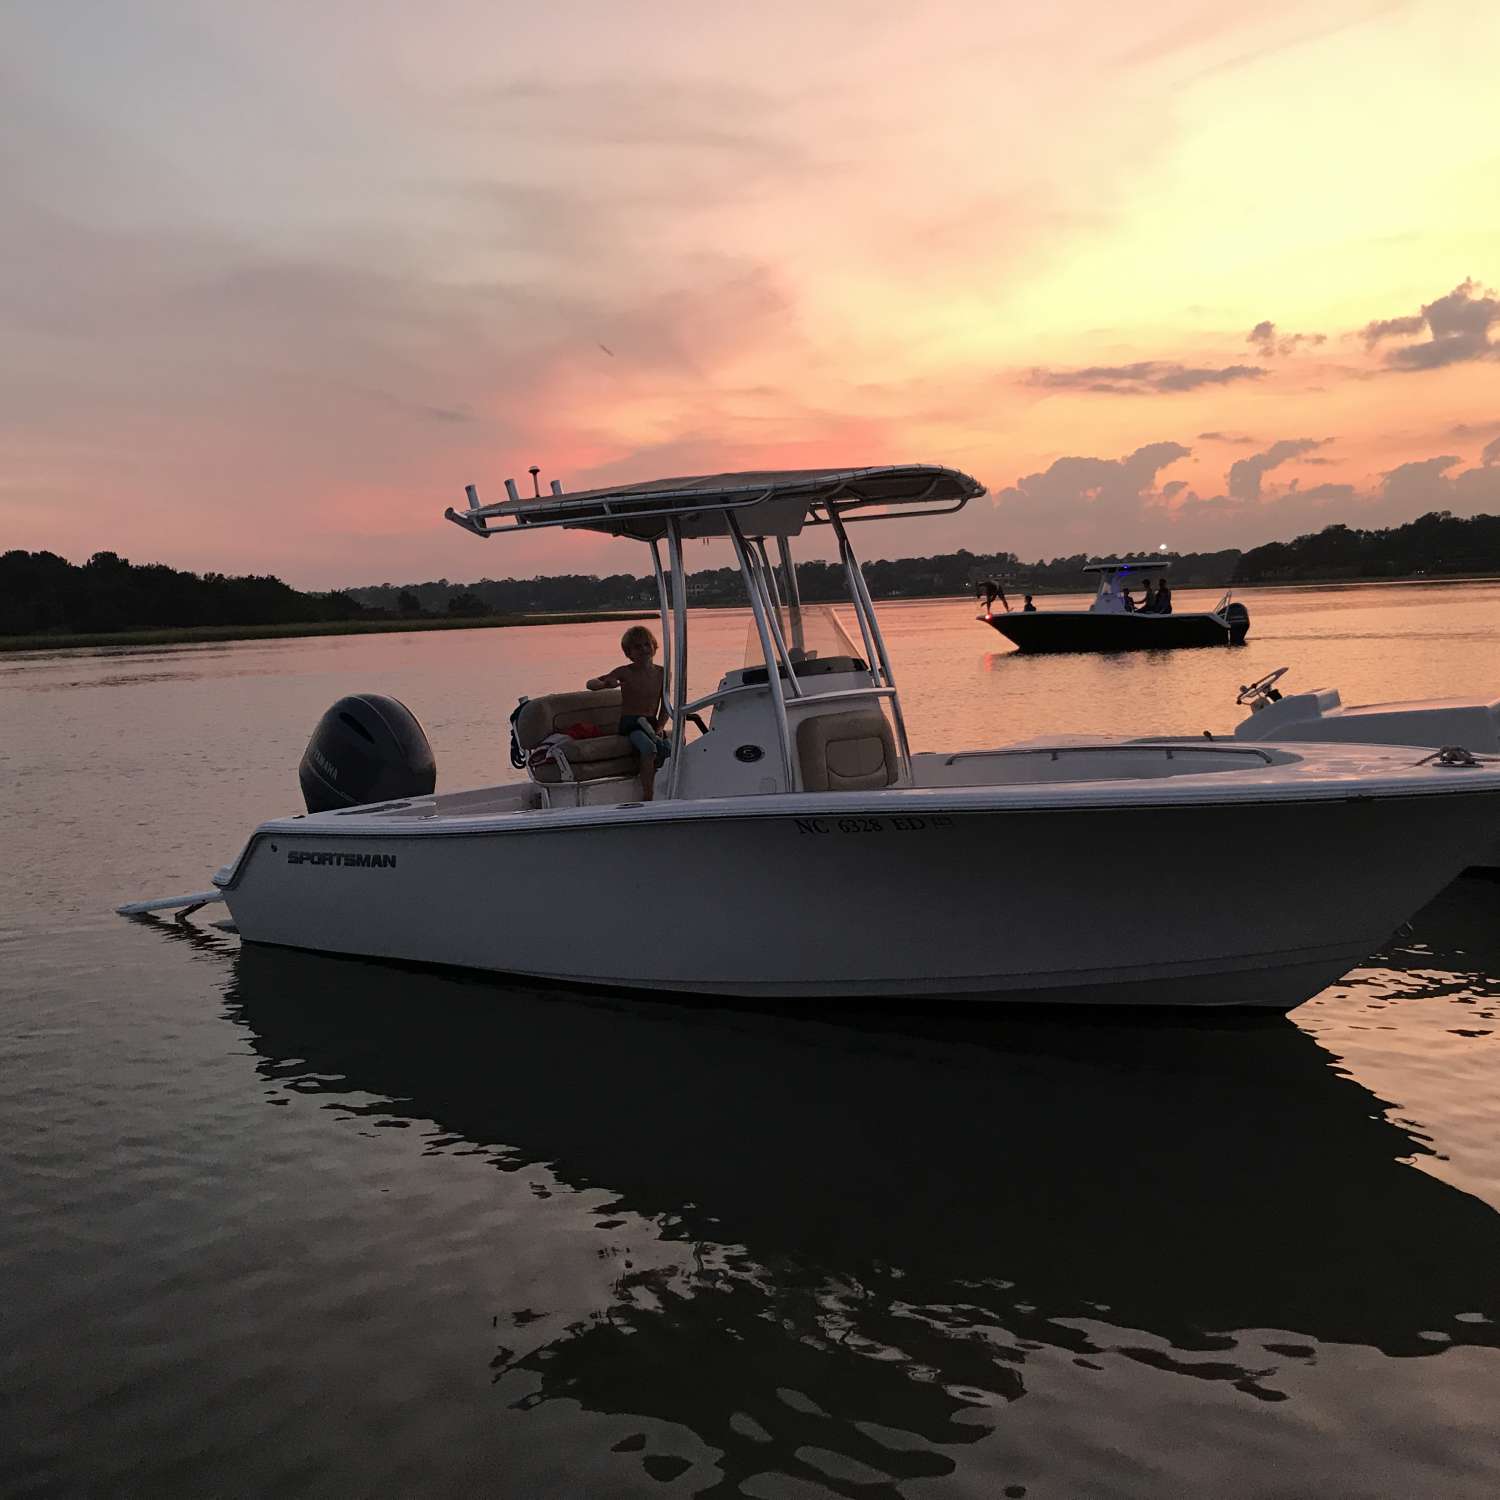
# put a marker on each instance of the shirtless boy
(641, 711)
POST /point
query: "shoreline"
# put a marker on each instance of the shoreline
(1408, 580)
(183, 635)
(1367, 583)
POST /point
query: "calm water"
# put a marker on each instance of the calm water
(278, 1224)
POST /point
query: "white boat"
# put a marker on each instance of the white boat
(1461, 726)
(1321, 715)
(800, 851)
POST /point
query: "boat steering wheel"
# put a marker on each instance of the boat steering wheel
(1261, 687)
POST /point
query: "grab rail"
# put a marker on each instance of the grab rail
(1056, 752)
(477, 519)
(759, 687)
(880, 692)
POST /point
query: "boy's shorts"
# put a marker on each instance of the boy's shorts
(644, 737)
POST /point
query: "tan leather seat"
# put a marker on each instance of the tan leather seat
(608, 754)
(851, 751)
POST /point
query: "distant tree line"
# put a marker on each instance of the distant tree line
(946, 574)
(954, 573)
(562, 594)
(1191, 570)
(1433, 545)
(43, 593)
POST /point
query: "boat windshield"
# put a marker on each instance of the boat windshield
(822, 634)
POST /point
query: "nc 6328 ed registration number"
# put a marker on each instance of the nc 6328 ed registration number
(816, 826)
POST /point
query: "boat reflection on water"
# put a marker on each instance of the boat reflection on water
(896, 1218)
(1450, 949)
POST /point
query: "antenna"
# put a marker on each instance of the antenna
(536, 488)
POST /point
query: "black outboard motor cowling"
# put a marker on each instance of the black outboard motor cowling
(366, 749)
(1237, 618)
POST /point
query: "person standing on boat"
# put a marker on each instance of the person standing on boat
(1148, 605)
(642, 713)
(1163, 598)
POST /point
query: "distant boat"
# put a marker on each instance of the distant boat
(1111, 623)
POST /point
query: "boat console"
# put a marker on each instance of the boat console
(841, 739)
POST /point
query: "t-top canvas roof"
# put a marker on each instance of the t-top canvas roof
(771, 503)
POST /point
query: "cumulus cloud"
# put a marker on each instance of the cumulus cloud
(1390, 328)
(1405, 492)
(1245, 474)
(1474, 490)
(1458, 327)
(1430, 484)
(1408, 483)
(1268, 343)
(1102, 505)
(1086, 495)
(1145, 377)
(1491, 454)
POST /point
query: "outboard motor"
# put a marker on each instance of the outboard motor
(1237, 619)
(366, 749)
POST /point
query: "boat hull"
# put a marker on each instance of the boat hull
(1082, 630)
(1245, 905)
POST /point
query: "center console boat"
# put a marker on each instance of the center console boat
(1113, 622)
(799, 851)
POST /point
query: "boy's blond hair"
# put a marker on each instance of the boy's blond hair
(638, 635)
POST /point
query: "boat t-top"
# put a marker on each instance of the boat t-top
(1115, 622)
(801, 850)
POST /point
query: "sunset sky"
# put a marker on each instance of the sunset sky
(277, 281)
